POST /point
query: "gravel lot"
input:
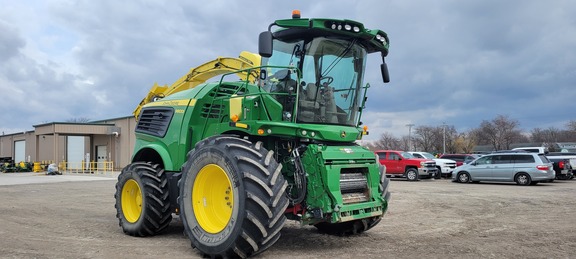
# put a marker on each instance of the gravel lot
(74, 217)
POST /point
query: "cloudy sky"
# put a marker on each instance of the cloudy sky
(454, 62)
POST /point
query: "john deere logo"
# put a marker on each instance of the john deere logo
(343, 134)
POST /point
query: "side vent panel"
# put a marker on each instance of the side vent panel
(154, 121)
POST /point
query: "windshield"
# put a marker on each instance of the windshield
(326, 75)
(407, 155)
(427, 155)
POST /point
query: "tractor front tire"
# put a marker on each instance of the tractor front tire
(142, 202)
(232, 197)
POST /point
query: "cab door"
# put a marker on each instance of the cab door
(394, 161)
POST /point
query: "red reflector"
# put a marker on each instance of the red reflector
(542, 167)
(561, 164)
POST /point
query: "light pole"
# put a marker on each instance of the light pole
(409, 136)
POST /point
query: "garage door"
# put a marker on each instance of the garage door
(75, 151)
(19, 151)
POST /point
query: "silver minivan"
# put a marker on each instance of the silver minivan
(522, 168)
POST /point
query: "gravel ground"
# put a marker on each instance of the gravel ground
(66, 218)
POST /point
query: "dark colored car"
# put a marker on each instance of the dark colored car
(460, 158)
(562, 168)
(564, 164)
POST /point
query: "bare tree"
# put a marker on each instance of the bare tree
(569, 135)
(499, 132)
(451, 136)
(571, 125)
(387, 141)
(464, 142)
(544, 135)
(424, 138)
(434, 138)
(404, 143)
(551, 136)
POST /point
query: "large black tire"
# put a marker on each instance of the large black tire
(142, 202)
(523, 179)
(232, 197)
(360, 225)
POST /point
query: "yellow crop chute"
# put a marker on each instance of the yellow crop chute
(200, 74)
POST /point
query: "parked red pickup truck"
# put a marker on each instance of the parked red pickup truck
(404, 164)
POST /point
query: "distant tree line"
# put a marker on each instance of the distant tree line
(499, 134)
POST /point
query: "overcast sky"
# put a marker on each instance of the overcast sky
(454, 62)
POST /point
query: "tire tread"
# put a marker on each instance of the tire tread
(156, 211)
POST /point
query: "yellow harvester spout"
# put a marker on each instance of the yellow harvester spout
(200, 74)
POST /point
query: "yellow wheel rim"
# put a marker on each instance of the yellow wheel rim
(212, 198)
(131, 201)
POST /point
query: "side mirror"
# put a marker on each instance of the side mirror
(384, 71)
(265, 44)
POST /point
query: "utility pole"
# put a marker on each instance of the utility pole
(409, 136)
(443, 137)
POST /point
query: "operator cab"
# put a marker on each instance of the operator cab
(315, 72)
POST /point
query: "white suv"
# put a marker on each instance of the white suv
(539, 150)
(445, 166)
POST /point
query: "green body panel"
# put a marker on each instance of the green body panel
(172, 146)
(144, 142)
(324, 166)
(321, 24)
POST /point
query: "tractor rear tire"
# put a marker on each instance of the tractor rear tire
(142, 202)
(360, 225)
(232, 197)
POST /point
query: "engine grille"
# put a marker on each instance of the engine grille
(354, 185)
(154, 121)
(431, 164)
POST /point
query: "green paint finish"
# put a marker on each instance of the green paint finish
(327, 122)
(340, 27)
(324, 166)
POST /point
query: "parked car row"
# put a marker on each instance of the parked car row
(417, 165)
(520, 166)
(444, 166)
(404, 164)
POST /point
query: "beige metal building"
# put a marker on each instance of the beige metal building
(109, 141)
